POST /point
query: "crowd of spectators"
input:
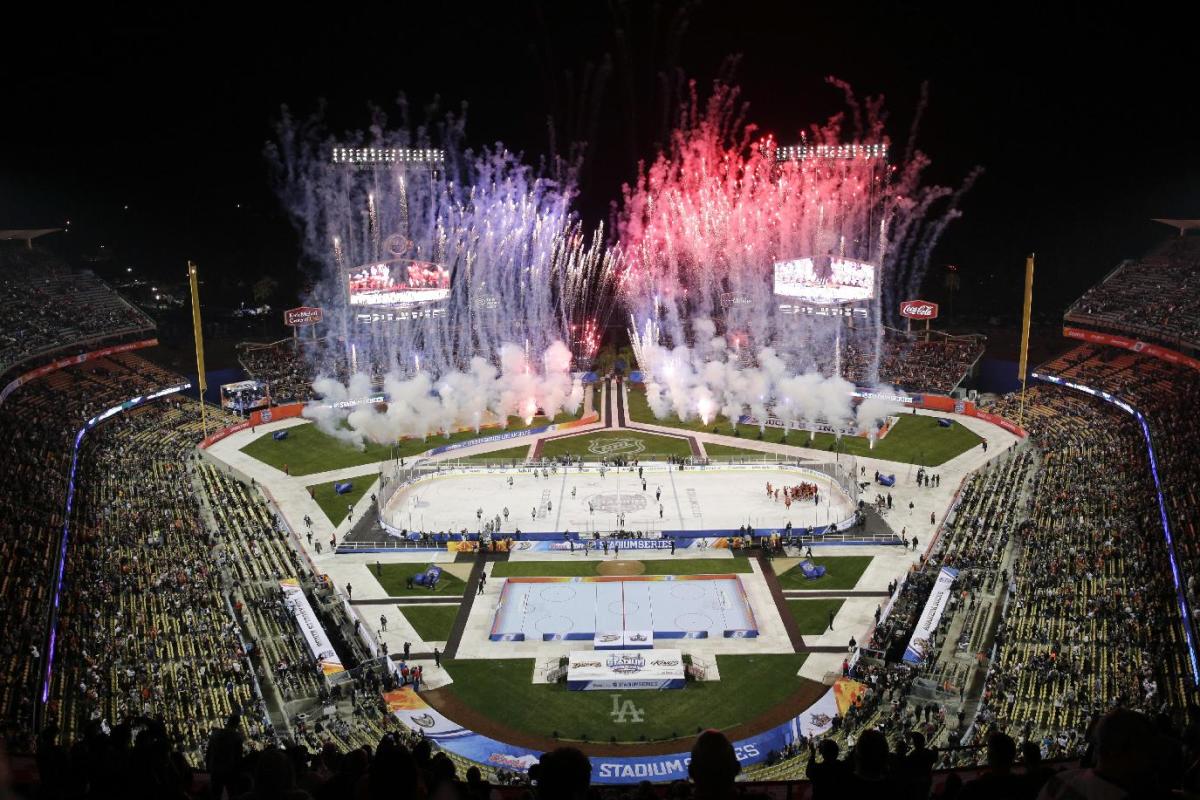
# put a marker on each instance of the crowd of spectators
(49, 307)
(1092, 621)
(38, 424)
(284, 367)
(936, 363)
(1156, 297)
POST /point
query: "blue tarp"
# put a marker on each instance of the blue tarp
(811, 571)
(887, 480)
(279, 436)
(945, 423)
(429, 577)
(343, 488)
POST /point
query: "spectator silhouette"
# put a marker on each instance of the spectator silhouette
(714, 766)
(563, 774)
(1125, 745)
(998, 782)
(870, 765)
(224, 753)
(827, 775)
(1036, 773)
(274, 778)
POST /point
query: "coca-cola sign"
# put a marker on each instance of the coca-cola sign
(305, 315)
(919, 309)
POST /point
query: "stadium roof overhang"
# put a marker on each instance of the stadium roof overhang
(1184, 225)
(25, 234)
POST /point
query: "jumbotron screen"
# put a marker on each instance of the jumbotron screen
(825, 280)
(398, 282)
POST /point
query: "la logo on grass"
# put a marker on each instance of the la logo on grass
(626, 711)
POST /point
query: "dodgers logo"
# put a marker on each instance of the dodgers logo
(266, 415)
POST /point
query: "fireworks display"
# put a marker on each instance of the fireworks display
(737, 252)
(468, 288)
(755, 277)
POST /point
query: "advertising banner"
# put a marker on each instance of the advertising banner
(918, 646)
(71, 361)
(505, 436)
(304, 315)
(919, 309)
(588, 670)
(813, 721)
(310, 628)
(1137, 346)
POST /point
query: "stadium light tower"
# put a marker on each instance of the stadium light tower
(833, 152)
(387, 157)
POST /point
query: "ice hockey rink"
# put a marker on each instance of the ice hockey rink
(672, 607)
(570, 499)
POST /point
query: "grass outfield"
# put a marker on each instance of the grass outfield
(725, 451)
(308, 449)
(432, 623)
(334, 504)
(393, 576)
(608, 444)
(507, 454)
(812, 616)
(584, 568)
(749, 686)
(841, 572)
(913, 440)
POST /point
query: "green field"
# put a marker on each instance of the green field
(432, 623)
(392, 577)
(913, 440)
(595, 446)
(725, 451)
(507, 454)
(334, 504)
(308, 449)
(812, 616)
(749, 686)
(581, 568)
(841, 572)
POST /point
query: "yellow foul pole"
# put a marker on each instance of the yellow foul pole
(192, 279)
(1022, 369)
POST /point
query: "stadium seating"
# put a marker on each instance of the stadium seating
(49, 307)
(1156, 297)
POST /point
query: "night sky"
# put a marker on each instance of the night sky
(1083, 117)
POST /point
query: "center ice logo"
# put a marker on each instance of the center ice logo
(620, 446)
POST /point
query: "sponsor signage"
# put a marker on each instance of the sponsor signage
(71, 361)
(817, 719)
(304, 315)
(918, 646)
(799, 425)
(1136, 345)
(624, 640)
(607, 670)
(919, 309)
(310, 628)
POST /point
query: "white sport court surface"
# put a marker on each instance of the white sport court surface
(671, 606)
(712, 498)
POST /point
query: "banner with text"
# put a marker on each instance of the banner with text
(918, 646)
